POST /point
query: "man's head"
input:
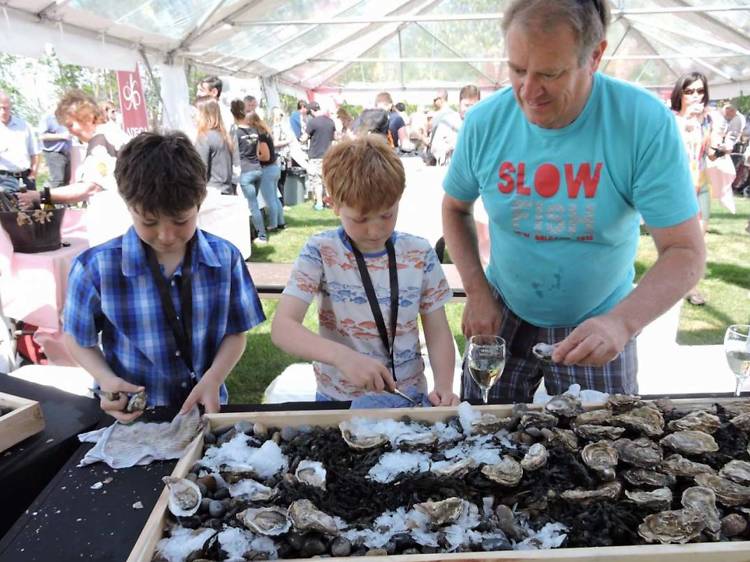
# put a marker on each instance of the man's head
(554, 48)
(365, 180)
(210, 86)
(251, 104)
(237, 107)
(441, 99)
(314, 108)
(80, 113)
(468, 96)
(384, 101)
(730, 112)
(5, 108)
(163, 182)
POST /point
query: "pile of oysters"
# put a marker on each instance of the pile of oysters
(629, 472)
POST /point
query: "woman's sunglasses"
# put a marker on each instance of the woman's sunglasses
(691, 91)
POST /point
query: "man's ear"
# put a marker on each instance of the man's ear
(597, 54)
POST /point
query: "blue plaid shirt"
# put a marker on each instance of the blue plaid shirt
(111, 290)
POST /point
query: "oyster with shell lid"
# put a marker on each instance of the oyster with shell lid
(608, 491)
(306, 517)
(703, 500)
(678, 465)
(442, 512)
(645, 419)
(641, 452)
(668, 527)
(727, 492)
(699, 420)
(690, 442)
(601, 457)
(737, 471)
(659, 499)
(535, 458)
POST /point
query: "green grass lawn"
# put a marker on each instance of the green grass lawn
(726, 287)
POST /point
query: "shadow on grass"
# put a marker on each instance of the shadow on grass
(709, 336)
(729, 273)
(262, 251)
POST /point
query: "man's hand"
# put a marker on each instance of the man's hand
(28, 199)
(482, 315)
(206, 392)
(365, 372)
(594, 342)
(116, 408)
(443, 397)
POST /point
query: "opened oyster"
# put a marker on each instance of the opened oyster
(660, 499)
(535, 457)
(640, 452)
(592, 432)
(645, 419)
(680, 466)
(696, 421)
(360, 440)
(602, 458)
(306, 517)
(737, 471)
(668, 527)
(442, 512)
(269, 521)
(727, 492)
(564, 405)
(311, 473)
(608, 491)
(690, 442)
(184, 496)
(703, 500)
(507, 472)
(543, 351)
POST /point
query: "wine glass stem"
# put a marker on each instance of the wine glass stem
(738, 388)
(486, 395)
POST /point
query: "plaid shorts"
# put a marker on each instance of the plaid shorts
(523, 371)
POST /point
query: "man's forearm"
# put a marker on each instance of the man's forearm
(461, 241)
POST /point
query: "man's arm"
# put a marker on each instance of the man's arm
(482, 311)
(678, 267)
(54, 136)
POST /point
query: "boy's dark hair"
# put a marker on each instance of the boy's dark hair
(400, 106)
(213, 82)
(237, 107)
(161, 174)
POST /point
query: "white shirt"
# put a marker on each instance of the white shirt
(18, 144)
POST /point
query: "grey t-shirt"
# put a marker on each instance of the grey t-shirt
(219, 159)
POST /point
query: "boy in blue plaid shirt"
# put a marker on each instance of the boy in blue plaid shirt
(172, 303)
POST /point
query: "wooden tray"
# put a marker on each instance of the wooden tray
(145, 547)
(25, 420)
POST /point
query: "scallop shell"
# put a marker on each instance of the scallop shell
(690, 442)
(535, 458)
(601, 457)
(507, 472)
(660, 499)
(312, 473)
(184, 496)
(306, 517)
(699, 420)
(271, 521)
(668, 527)
(442, 512)
(737, 471)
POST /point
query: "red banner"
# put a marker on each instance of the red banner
(132, 102)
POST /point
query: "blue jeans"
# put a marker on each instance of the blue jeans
(268, 187)
(250, 183)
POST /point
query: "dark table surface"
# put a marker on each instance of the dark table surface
(71, 521)
(26, 467)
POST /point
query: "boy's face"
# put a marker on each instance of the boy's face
(168, 235)
(369, 230)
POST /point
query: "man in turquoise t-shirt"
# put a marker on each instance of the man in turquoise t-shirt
(566, 162)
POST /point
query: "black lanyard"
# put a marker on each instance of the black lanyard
(373, 299)
(182, 327)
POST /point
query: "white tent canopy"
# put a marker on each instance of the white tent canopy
(346, 47)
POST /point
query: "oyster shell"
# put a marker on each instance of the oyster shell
(593, 432)
(271, 521)
(507, 472)
(737, 471)
(727, 492)
(660, 499)
(600, 416)
(489, 423)
(442, 512)
(608, 491)
(252, 490)
(536, 457)
(666, 527)
(538, 420)
(362, 440)
(703, 500)
(623, 402)
(565, 437)
(543, 351)
(601, 457)
(415, 439)
(137, 402)
(643, 477)
(306, 517)
(699, 420)
(690, 442)
(733, 524)
(680, 466)
(641, 452)
(453, 469)
(184, 496)
(741, 421)
(563, 405)
(646, 419)
(312, 473)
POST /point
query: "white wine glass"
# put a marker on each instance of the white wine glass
(737, 350)
(485, 357)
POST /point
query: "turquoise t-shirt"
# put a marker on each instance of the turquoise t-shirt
(564, 204)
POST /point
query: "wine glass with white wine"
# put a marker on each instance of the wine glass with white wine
(737, 349)
(485, 357)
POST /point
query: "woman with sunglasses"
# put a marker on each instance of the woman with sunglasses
(689, 100)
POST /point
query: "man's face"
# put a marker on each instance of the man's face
(549, 85)
(204, 90)
(465, 104)
(438, 103)
(730, 113)
(251, 106)
(5, 107)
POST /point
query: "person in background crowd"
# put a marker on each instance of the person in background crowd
(726, 128)
(19, 150)
(218, 150)
(346, 121)
(283, 136)
(84, 119)
(251, 106)
(56, 145)
(298, 118)
(467, 97)
(566, 162)
(270, 172)
(396, 123)
(250, 169)
(321, 131)
(212, 86)
(443, 129)
(689, 101)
